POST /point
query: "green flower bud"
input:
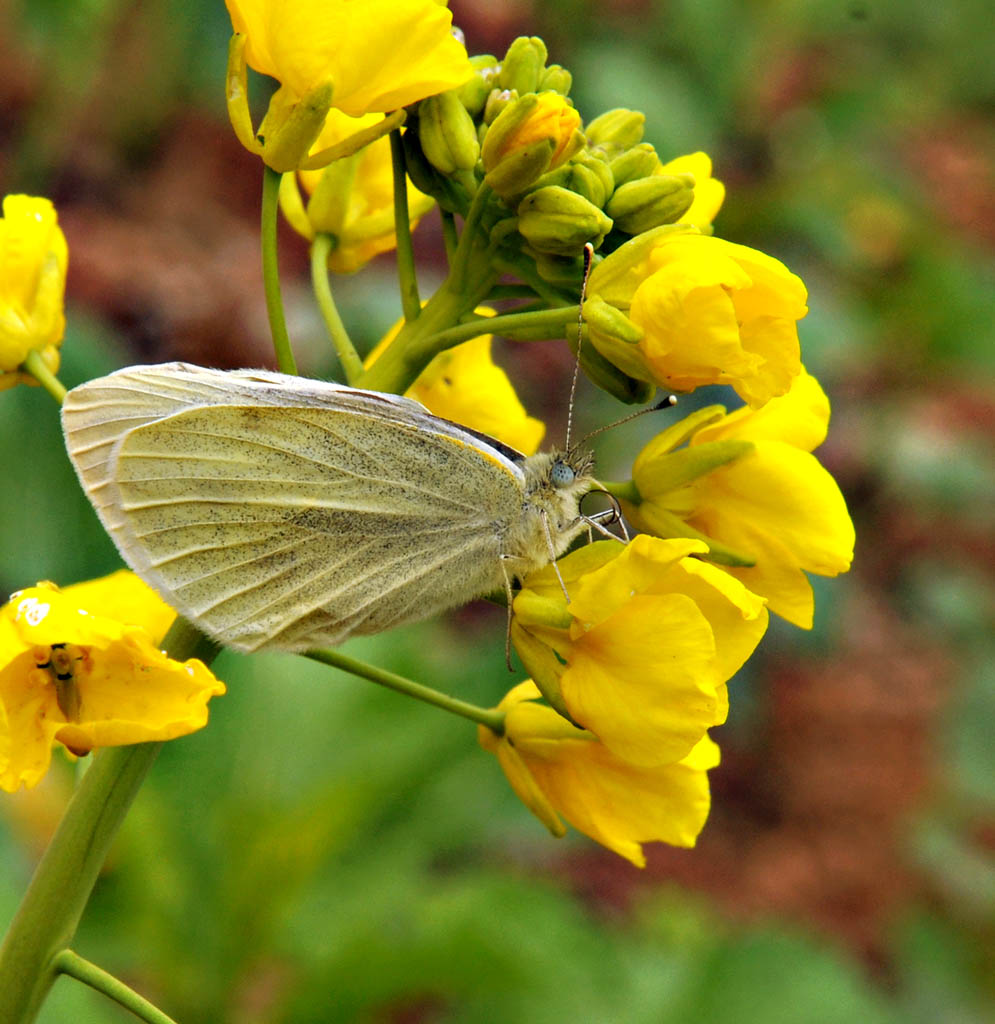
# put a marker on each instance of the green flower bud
(584, 175)
(523, 64)
(649, 202)
(450, 195)
(559, 222)
(617, 129)
(496, 101)
(447, 133)
(555, 79)
(473, 94)
(598, 179)
(638, 162)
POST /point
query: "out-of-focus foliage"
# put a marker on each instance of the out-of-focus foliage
(325, 852)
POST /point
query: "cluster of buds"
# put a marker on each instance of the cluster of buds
(560, 185)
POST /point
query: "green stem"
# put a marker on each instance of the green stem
(72, 964)
(493, 719)
(271, 273)
(51, 909)
(406, 276)
(35, 365)
(463, 257)
(540, 323)
(352, 365)
(450, 239)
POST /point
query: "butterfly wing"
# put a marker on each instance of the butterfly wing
(297, 524)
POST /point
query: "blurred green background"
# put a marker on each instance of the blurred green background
(327, 852)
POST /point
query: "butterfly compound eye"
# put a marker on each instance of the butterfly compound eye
(561, 474)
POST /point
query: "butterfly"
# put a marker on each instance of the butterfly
(281, 512)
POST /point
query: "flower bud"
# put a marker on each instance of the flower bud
(496, 101)
(583, 174)
(473, 94)
(556, 221)
(617, 129)
(449, 194)
(530, 136)
(523, 64)
(447, 133)
(649, 202)
(555, 79)
(638, 162)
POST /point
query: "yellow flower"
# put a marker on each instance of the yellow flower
(557, 769)
(709, 192)
(33, 258)
(378, 55)
(641, 654)
(709, 312)
(85, 679)
(464, 385)
(351, 199)
(772, 503)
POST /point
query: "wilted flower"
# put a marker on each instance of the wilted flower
(86, 679)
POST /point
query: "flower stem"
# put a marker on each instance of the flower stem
(50, 912)
(494, 720)
(406, 276)
(545, 323)
(450, 239)
(462, 258)
(271, 273)
(35, 365)
(352, 365)
(53, 905)
(72, 964)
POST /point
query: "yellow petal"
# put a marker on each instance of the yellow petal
(636, 569)
(786, 493)
(379, 55)
(799, 418)
(642, 680)
(126, 598)
(709, 193)
(621, 805)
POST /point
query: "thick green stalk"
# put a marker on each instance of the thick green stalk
(271, 272)
(49, 914)
(53, 905)
(352, 365)
(494, 720)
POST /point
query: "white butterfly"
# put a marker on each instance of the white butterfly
(282, 512)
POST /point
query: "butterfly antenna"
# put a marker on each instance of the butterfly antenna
(667, 403)
(588, 258)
